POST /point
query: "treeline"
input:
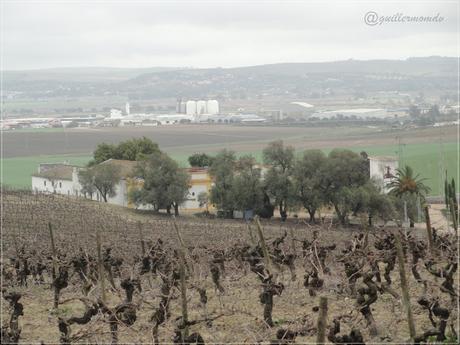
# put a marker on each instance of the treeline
(310, 181)
(287, 181)
(290, 182)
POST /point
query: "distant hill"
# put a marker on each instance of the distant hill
(81, 74)
(294, 80)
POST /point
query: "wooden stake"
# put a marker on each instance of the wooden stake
(183, 286)
(251, 235)
(454, 213)
(404, 288)
(291, 233)
(267, 259)
(322, 321)
(141, 237)
(183, 247)
(53, 249)
(428, 228)
(54, 270)
(100, 265)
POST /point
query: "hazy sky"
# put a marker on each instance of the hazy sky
(42, 34)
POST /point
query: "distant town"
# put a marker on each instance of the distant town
(208, 112)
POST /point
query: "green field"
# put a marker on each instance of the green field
(426, 159)
(16, 172)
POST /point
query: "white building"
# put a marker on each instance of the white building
(382, 169)
(201, 108)
(115, 114)
(62, 178)
(190, 108)
(213, 107)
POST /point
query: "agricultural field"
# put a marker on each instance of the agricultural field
(215, 281)
(428, 150)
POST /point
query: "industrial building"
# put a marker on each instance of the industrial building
(201, 107)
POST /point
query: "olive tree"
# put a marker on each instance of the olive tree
(306, 179)
(278, 183)
(102, 178)
(343, 175)
(222, 171)
(165, 184)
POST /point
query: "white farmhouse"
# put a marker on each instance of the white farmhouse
(382, 169)
(56, 178)
(62, 178)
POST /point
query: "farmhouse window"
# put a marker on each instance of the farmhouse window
(44, 183)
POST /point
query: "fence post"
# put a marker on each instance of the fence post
(428, 228)
(267, 259)
(141, 237)
(251, 235)
(100, 265)
(54, 270)
(404, 288)
(454, 214)
(183, 286)
(322, 321)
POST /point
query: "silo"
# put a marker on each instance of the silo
(182, 107)
(213, 107)
(190, 108)
(201, 107)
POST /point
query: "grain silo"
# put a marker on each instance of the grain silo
(190, 108)
(201, 107)
(182, 107)
(213, 107)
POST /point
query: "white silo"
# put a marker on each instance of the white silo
(190, 108)
(213, 107)
(201, 107)
(127, 108)
(182, 107)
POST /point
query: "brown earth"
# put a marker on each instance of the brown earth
(25, 222)
(191, 138)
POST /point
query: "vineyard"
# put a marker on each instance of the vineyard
(75, 271)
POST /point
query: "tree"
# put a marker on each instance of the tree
(277, 155)
(200, 160)
(343, 173)
(409, 188)
(102, 153)
(368, 199)
(101, 177)
(408, 183)
(223, 171)
(307, 178)
(450, 195)
(247, 189)
(133, 149)
(278, 180)
(165, 184)
(136, 149)
(86, 180)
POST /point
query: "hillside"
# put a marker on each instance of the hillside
(283, 79)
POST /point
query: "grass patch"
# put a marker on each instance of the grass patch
(427, 159)
(16, 172)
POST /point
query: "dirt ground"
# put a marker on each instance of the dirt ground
(238, 309)
(191, 138)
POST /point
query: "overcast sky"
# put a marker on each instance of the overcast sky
(43, 34)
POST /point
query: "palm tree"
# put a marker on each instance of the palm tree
(408, 184)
